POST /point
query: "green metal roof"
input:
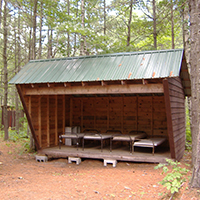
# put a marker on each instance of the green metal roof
(118, 66)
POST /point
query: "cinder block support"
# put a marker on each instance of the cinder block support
(41, 158)
(74, 159)
(110, 161)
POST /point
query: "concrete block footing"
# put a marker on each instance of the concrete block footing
(41, 158)
(74, 159)
(110, 161)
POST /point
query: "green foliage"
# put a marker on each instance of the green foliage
(174, 179)
(20, 137)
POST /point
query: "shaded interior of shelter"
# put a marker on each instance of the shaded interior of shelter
(127, 112)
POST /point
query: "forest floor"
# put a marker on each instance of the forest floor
(22, 177)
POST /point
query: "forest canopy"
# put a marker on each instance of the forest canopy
(40, 29)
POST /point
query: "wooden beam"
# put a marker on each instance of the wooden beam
(28, 116)
(109, 89)
(169, 118)
(123, 82)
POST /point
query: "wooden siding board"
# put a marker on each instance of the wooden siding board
(178, 115)
(169, 118)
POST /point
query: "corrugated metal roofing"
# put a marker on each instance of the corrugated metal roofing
(120, 66)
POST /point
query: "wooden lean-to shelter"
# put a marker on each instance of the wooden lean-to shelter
(134, 91)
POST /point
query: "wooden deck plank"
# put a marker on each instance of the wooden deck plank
(120, 154)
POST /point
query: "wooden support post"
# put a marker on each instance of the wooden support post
(56, 120)
(137, 113)
(71, 112)
(63, 113)
(40, 121)
(122, 115)
(81, 114)
(152, 116)
(48, 124)
(108, 112)
(94, 108)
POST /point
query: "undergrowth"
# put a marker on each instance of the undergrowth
(22, 138)
(175, 179)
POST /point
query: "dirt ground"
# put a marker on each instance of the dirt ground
(22, 177)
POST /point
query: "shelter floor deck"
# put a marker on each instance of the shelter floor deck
(119, 153)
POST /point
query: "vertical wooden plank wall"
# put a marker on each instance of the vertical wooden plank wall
(44, 121)
(34, 112)
(177, 104)
(130, 114)
(143, 113)
(52, 122)
(56, 120)
(61, 113)
(50, 114)
(48, 117)
(159, 116)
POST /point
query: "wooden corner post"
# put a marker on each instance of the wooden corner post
(169, 117)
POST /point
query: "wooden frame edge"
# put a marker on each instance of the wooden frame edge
(28, 116)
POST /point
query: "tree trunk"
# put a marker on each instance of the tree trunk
(186, 34)
(172, 23)
(129, 24)
(29, 45)
(5, 40)
(34, 28)
(195, 84)
(50, 37)
(0, 12)
(75, 35)
(40, 39)
(17, 102)
(104, 16)
(83, 39)
(68, 34)
(154, 25)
